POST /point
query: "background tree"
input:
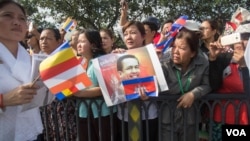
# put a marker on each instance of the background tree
(37, 14)
(105, 13)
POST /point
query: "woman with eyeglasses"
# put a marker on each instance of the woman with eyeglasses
(33, 40)
(209, 33)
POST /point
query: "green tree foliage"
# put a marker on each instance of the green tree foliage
(220, 10)
(34, 15)
(105, 13)
(90, 14)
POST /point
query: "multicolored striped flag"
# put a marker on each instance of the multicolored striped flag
(131, 87)
(63, 73)
(69, 25)
(176, 26)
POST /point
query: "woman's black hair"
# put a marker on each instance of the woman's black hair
(167, 21)
(191, 38)
(6, 2)
(94, 38)
(110, 34)
(214, 26)
(139, 26)
(56, 32)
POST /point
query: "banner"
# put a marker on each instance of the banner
(140, 65)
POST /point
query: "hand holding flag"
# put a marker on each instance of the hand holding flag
(133, 86)
(177, 25)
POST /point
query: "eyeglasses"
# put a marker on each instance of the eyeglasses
(30, 36)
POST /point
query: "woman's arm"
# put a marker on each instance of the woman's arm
(202, 88)
(89, 93)
(124, 13)
(216, 69)
(218, 61)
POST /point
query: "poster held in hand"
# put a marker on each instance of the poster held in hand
(112, 69)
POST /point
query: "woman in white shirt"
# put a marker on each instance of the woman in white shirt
(16, 88)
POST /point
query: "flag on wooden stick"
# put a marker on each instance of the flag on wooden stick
(69, 25)
(63, 73)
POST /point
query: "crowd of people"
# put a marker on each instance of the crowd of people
(195, 64)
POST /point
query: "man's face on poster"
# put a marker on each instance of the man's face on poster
(130, 69)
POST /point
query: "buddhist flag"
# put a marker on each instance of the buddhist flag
(69, 25)
(177, 25)
(132, 86)
(62, 72)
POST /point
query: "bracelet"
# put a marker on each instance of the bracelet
(1, 101)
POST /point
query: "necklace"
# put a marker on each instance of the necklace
(180, 83)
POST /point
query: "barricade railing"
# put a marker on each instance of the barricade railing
(62, 121)
(68, 129)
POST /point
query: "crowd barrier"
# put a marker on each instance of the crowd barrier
(66, 128)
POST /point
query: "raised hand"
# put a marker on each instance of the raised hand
(124, 12)
(215, 48)
(238, 54)
(124, 5)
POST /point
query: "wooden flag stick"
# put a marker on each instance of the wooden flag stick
(34, 81)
